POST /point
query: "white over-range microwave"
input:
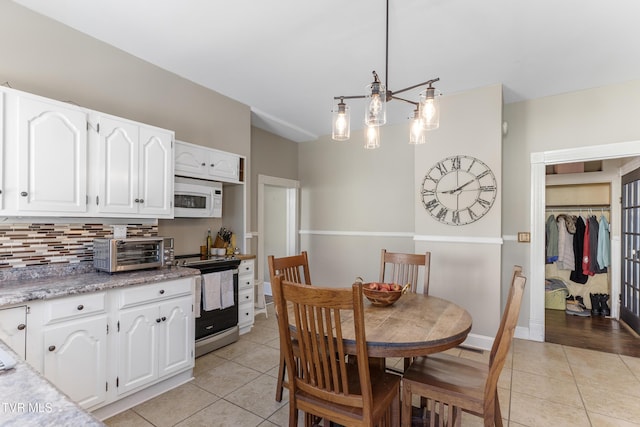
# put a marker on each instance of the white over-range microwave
(196, 198)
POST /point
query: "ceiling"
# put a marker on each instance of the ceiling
(287, 59)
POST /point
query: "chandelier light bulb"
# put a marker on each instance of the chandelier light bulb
(430, 108)
(417, 134)
(341, 122)
(372, 137)
(376, 111)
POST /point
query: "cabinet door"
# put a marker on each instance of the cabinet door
(13, 328)
(52, 157)
(224, 166)
(75, 359)
(177, 338)
(138, 349)
(155, 173)
(118, 166)
(191, 160)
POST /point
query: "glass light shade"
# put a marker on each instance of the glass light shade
(376, 110)
(417, 133)
(372, 137)
(430, 108)
(341, 123)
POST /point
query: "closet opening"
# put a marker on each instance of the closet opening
(579, 296)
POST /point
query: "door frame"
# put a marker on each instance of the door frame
(539, 161)
(292, 187)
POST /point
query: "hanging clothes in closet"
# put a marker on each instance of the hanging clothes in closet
(579, 244)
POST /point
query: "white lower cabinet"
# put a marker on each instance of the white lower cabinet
(75, 359)
(102, 347)
(13, 328)
(155, 341)
(245, 295)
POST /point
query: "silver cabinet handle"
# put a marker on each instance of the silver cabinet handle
(21, 326)
(141, 200)
(24, 194)
(52, 348)
(80, 307)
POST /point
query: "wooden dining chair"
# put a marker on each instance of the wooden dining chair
(294, 268)
(453, 384)
(324, 385)
(404, 268)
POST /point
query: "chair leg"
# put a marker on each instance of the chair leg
(281, 374)
(497, 415)
(395, 411)
(405, 416)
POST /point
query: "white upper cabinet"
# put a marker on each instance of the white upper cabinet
(117, 167)
(196, 161)
(135, 169)
(62, 160)
(155, 178)
(52, 156)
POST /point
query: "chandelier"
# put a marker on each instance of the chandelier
(426, 115)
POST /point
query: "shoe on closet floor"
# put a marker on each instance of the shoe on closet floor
(576, 307)
(596, 309)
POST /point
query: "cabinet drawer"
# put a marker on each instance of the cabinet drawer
(246, 267)
(245, 282)
(156, 291)
(245, 314)
(71, 307)
(245, 296)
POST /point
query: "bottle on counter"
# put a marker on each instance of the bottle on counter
(209, 242)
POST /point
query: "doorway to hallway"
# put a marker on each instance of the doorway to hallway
(278, 221)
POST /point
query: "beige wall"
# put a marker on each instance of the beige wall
(586, 118)
(357, 201)
(273, 156)
(49, 59)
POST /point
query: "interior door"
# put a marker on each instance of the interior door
(630, 286)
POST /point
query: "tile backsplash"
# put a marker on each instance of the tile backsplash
(24, 245)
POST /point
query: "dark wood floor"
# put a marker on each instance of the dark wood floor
(594, 333)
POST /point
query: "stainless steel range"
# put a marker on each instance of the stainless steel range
(219, 327)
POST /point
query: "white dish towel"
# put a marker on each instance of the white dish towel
(226, 285)
(211, 291)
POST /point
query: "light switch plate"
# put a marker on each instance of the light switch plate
(524, 236)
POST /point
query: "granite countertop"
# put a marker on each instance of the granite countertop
(37, 283)
(28, 399)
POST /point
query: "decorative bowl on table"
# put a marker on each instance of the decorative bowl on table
(382, 294)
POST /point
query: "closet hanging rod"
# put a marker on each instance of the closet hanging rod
(578, 207)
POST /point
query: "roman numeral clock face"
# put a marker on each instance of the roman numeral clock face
(458, 190)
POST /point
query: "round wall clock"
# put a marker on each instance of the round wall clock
(458, 190)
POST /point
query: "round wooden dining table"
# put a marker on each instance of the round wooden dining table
(415, 325)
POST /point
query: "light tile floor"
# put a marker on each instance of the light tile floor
(541, 385)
